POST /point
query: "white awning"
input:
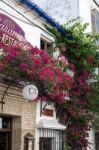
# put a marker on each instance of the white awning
(50, 124)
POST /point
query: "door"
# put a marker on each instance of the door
(5, 133)
(97, 140)
(4, 141)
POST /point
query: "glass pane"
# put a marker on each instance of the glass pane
(42, 45)
(0, 123)
(45, 143)
(5, 123)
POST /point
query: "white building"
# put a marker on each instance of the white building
(31, 123)
(26, 125)
(64, 10)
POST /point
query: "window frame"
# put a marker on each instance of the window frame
(46, 43)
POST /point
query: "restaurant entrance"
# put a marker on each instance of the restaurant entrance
(5, 133)
(4, 141)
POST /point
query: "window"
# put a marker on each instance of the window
(50, 139)
(95, 22)
(5, 123)
(97, 57)
(45, 45)
(28, 142)
(95, 29)
(97, 140)
(5, 133)
(45, 143)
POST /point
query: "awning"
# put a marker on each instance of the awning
(50, 124)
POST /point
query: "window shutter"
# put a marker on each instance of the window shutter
(95, 22)
(93, 19)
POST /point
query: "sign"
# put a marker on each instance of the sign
(10, 32)
(30, 92)
(48, 112)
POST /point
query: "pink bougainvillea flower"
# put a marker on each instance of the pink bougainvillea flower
(59, 79)
(63, 59)
(56, 88)
(23, 66)
(59, 97)
(67, 77)
(42, 76)
(43, 98)
(1, 67)
(40, 66)
(46, 73)
(71, 67)
(37, 61)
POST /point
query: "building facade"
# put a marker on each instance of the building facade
(70, 9)
(88, 10)
(26, 125)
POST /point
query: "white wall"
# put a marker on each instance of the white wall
(38, 117)
(85, 7)
(85, 13)
(33, 34)
(91, 140)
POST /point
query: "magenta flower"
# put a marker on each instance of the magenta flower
(63, 59)
(23, 66)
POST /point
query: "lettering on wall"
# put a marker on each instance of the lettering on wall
(10, 32)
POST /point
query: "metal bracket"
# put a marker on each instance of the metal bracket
(2, 100)
(2, 104)
(42, 107)
(11, 81)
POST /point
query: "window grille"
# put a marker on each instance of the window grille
(51, 139)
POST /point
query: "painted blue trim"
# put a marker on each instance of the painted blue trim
(44, 15)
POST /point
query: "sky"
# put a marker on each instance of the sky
(60, 10)
(97, 1)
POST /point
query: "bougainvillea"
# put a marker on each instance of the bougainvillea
(34, 65)
(77, 112)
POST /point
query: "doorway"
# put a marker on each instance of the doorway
(4, 141)
(5, 133)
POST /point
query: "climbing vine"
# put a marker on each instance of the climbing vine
(78, 112)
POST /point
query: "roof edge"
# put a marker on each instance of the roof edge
(96, 3)
(44, 15)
